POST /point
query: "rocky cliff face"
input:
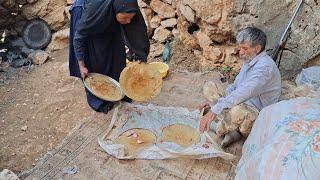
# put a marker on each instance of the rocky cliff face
(272, 16)
(55, 12)
(207, 28)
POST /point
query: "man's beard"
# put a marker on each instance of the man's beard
(248, 58)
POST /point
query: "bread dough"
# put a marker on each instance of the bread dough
(132, 144)
(103, 87)
(181, 134)
(141, 81)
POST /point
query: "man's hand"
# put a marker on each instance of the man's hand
(203, 106)
(206, 121)
(83, 69)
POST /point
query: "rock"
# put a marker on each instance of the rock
(231, 58)
(169, 22)
(31, 1)
(209, 11)
(142, 4)
(189, 40)
(175, 32)
(24, 128)
(60, 40)
(290, 90)
(212, 91)
(204, 39)
(272, 17)
(215, 53)
(209, 52)
(306, 91)
(197, 53)
(188, 13)
(17, 63)
(39, 57)
(175, 3)
(164, 10)
(69, 2)
(156, 50)
(67, 12)
(6, 174)
(26, 50)
(314, 62)
(212, 53)
(155, 22)
(161, 34)
(51, 11)
(167, 1)
(216, 34)
(147, 14)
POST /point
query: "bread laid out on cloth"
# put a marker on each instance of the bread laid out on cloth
(181, 134)
(136, 139)
(141, 81)
(103, 87)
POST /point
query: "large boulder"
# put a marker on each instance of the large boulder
(155, 22)
(209, 11)
(147, 14)
(187, 12)
(51, 11)
(212, 17)
(272, 16)
(169, 22)
(164, 10)
(187, 37)
(39, 57)
(60, 40)
(156, 50)
(161, 34)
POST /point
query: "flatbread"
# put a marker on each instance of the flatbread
(141, 81)
(131, 145)
(103, 88)
(181, 134)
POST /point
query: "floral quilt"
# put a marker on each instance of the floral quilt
(284, 142)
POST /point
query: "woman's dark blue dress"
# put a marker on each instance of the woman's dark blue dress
(98, 39)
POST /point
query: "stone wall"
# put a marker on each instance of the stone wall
(201, 25)
(205, 27)
(208, 28)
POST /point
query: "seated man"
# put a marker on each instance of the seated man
(256, 86)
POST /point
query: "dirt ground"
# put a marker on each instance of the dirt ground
(41, 105)
(38, 108)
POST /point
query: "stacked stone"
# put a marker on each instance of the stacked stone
(205, 27)
(201, 25)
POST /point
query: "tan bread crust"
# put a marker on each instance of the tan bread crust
(132, 144)
(181, 134)
(141, 81)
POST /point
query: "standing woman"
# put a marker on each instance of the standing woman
(99, 31)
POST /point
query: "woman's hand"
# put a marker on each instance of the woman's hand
(83, 69)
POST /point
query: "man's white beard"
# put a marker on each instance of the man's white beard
(250, 58)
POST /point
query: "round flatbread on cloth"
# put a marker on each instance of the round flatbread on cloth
(135, 140)
(141, 81)
(103, 87)
(181, 134)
